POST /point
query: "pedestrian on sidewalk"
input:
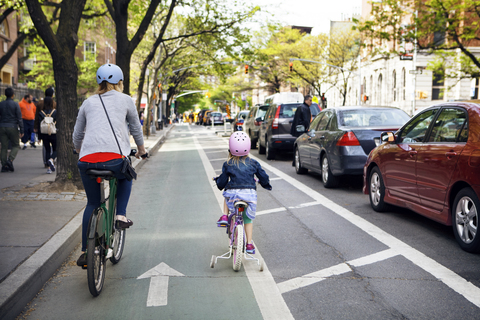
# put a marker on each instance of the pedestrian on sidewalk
(97, 145)
(36, 127)
(238, 180)
(49, 140)
(28, 109)
(10, 123)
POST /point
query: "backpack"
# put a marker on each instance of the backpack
(47, 126)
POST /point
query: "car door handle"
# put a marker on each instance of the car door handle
(450, 154)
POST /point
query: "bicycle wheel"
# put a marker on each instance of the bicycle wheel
(118, 241)
(118, 245)
(238, 247)
(95, 264)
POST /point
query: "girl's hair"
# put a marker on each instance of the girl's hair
(106, 86)
(48, 103)
(235, 160)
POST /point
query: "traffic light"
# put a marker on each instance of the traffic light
(291, 66)
(228, 110)
(246, 69)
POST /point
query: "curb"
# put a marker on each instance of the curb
(23, 284)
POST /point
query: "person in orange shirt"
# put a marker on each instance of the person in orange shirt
(27, 107)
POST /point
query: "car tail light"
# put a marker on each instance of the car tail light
(240, 209)
(239, 122)
(348, 139)
(275, 120)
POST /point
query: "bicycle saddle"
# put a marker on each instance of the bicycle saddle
(241, 203)
(100, 173)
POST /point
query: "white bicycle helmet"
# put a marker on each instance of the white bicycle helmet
(239, 144)
(109, 72)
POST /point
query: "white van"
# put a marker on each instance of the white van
(284, 97)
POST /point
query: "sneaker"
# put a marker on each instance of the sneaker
(33, 144)
(10, 165)
(5, 168)
(223, 221)
(24, 147)
(250, 248)
(51, 165)
(119, 224)
(49, 171)
(82, 260)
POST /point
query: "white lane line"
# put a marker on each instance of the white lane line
(268, 296)
(259, 213)
(341, 268)
(219, 159)
(223, 150)
(447, 276)
(277, 178)
(304, 205)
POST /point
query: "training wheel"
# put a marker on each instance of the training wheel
(212, 262)
(262, 265)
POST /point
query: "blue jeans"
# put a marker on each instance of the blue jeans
(92, 189)
(28, 130)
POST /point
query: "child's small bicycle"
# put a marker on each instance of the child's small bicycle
(236, 235)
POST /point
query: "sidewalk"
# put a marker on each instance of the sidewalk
(38, 230)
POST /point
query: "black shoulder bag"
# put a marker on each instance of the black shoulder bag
(127, 168)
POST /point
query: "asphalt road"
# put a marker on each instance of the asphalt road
(328, 255)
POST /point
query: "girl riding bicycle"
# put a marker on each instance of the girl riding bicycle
(238, 180)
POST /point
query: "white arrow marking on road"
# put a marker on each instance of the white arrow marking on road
(158, 290)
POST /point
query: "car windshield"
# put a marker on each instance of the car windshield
(242, 115)
(372, 117)
(314, 109)
(288, 110)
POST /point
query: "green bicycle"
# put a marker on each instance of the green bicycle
(104, 239)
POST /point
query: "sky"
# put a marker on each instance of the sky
(308, 13)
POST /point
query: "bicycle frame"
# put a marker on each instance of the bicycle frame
(102, 218)
(237, 216)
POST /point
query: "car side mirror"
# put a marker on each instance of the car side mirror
(311, 133)
(387, 137)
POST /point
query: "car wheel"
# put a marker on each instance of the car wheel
(298, 165)
(261, 150)
(253, 142)
(328, 179)
(377, 191)
(269, 151)
(465, 220)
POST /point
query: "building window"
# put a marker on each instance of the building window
(394, 85)
(438, 85)
(379, 89)
(404, 81)
(4, 28)
(475, 85)
(89, 50)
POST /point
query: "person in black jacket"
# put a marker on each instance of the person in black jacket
(10, 122)
(49, 140)
(302, 117)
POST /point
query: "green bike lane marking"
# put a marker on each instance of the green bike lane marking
(175, 213)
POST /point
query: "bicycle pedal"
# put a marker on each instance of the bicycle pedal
(84, 267)
(220, 225)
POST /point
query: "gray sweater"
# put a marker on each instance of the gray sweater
(10, 115)
(92, 132)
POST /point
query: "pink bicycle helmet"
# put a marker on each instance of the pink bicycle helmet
(239, 144)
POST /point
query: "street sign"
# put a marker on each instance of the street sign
(164, 96)
(158, 290)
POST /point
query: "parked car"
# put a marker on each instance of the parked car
(238, 121)
(217, 118)
(274, 133)
(340, 139)
(253, 122)
(432, 166)
(206, 118)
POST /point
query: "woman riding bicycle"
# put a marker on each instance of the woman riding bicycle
(238, 179)
(95, 142)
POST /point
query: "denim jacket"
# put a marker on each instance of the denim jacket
(242, 176)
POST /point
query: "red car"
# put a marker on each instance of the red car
(432, 166)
